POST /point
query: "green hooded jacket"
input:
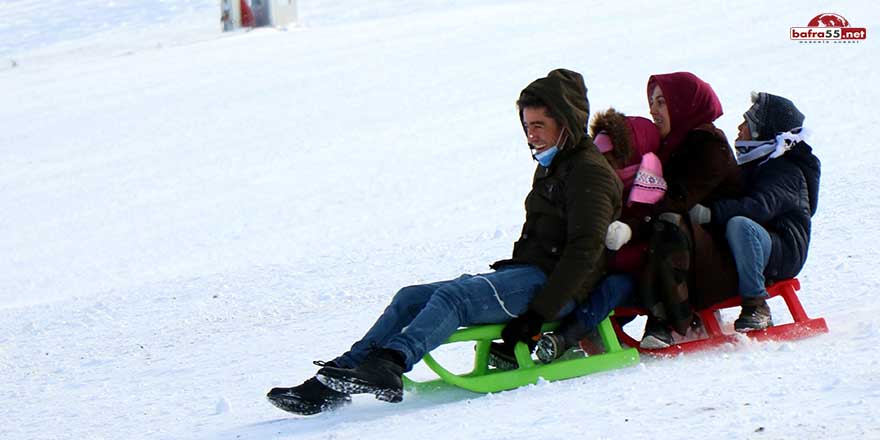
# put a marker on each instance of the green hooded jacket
(571, 203)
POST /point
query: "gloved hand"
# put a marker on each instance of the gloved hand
(700, 214)
(524, 328)
(618, 234)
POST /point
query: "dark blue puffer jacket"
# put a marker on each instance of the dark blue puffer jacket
(783, 194)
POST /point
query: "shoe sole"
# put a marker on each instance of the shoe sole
(295, 405)
(652, 343)
(501, 363)
(751, 329)
(353, 385)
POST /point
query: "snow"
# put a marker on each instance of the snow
(190, 218)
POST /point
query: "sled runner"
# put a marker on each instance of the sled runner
(483, 379)
(802, 327)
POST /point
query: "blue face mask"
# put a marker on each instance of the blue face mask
(545, 158)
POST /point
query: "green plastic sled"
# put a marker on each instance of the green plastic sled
(483, 379)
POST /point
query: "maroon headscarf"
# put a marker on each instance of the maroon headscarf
(691, 103)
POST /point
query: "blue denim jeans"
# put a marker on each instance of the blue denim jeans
(612, 291)
(751, 246)
(420, 318)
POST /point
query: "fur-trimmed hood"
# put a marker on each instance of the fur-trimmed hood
(632, 136)
(613, 124)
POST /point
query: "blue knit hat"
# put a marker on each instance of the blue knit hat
(771, 114)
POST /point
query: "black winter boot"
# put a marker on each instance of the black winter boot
(501, 357)
(380, 374)
(755, 315)
(570, 336)
(552, 346)
(310, 397)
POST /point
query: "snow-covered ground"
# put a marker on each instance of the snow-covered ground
(189, 218)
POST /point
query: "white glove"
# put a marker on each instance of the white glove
(700, 214)
(618, 235)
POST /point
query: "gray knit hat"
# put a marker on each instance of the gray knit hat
(771, 114)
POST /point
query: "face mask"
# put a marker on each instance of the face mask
(545, 158)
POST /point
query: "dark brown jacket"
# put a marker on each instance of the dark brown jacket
(570, 205)
(703, 170)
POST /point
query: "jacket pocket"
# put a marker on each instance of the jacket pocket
(551, 234)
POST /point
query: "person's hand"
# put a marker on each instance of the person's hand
(524, 328)
(618, 234)
(700, 214)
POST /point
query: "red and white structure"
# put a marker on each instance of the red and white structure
(236, 14)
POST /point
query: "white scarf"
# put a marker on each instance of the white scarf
(748, 151)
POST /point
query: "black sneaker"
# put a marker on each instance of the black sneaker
(550, 347)
(380, 374)
(657, 335)
(502, 357)
(755, 315)
(309, 398)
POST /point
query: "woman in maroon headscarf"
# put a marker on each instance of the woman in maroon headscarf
(689, 265)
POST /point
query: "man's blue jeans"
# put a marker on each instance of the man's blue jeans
(420, 318)
(751, 246)
(612, 291)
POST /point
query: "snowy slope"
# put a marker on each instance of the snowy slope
(190, 218)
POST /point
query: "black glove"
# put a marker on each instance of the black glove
(524, 328)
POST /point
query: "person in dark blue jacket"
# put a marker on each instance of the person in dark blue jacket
(769, 229)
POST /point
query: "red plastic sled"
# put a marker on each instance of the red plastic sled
(802, 326)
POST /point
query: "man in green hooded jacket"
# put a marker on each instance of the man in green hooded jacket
(557, 260)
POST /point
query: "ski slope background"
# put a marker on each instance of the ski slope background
(189, 218)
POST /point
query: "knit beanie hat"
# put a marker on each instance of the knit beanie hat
(771, 114)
